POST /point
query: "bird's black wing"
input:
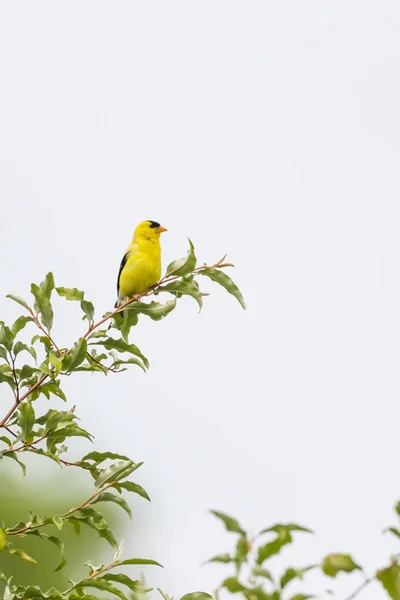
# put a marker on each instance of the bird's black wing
(123, 263)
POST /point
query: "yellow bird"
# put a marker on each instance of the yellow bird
(141, 265)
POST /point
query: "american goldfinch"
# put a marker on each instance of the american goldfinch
(141, 265)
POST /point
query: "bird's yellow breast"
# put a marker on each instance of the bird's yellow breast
(142, 268)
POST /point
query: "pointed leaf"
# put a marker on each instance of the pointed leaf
(6, 337)
(109, 497)
(154, 310)
(88, 308)
(130, 486)
(21, 554)
(225, 281)
(3, 539)
(70, 293)
(334, 563)
(99, 457)
(114, 472)
(197, 596)
(26, 420)
(19, 347)
(233, 585)
(230, 523)
(19, 300)
(42, 304)
(13, 456)
(122, 346)
(390, 579)
(101, 584)
(135, 586)
(47, 285)
(222, 558)
(20, 324)
(183, 287)
(183, 266)
(139, 561)
(76, 356)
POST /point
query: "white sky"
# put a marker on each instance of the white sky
(268, 130)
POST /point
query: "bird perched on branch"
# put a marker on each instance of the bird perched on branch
(141, 265)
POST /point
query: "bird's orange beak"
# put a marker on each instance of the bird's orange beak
(161, 229)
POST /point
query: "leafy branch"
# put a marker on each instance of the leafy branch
(27, 429)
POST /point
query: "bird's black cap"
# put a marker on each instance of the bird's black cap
(154, 224)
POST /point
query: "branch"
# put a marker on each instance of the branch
(93, 326)
(4, 421)
(150, 292)
(361, 587)
(45, 331)
(64, 515)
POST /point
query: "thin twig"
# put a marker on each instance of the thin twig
(16, 392)
(45, 331)
(64, 515)
(361, 587)
(14, 407)
(92, 327)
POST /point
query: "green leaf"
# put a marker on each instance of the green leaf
(52, 387)
(88, 308)
(19, 300)
(109, 497)
(21, 554)
(225, 281)
(393, 530)
(154, 310)
(390, 579)
(271, 548)
(99, 457)
(183, 287)
(222, 558)
(301, 597)
(130, 486)
(14, 456)
(230, 523)
(5, 439)
(6, 337)
(47, 285)
(95, 520)
(3, 539)
(233, 585)
(19, 347)
(57, 361)
(42, 304)
(70, 293)
(242, 549)
(51, 538)
(8, 380)
(26, 420)
(183, 266)
(122, 346)
(114, 472)
(139, 561)
(20, 324)
(124, 580)
(130, 361)
(76, 356)
(279, 527)
(289, 575)
(100, 583)
(260, 572)
(197, 596)
(334, 563)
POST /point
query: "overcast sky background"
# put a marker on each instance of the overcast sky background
(268, 130)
